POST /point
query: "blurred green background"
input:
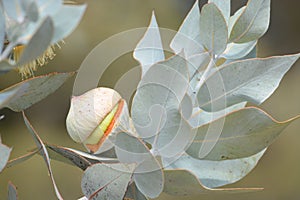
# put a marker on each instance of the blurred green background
(278, 171)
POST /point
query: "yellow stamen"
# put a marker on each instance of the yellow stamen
(27, 70)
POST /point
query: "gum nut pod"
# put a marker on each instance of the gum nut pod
(95, 116)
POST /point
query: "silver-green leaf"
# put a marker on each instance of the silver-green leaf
(12, 192)
(2, 29)
(181, 182)
(187, 37)
(245, 132)
(148, 175)
(37, 88)
(224, 6)
(213, 29)
(149, 50)
(7, 95)
(236, 51)
(156, 104)
(107, 181)
(214, 174)
(252, 80)
(40, 145)
(252, 23)
(4, 155)
(65, 21)
(38, 43)
(202, 117)
(21, 159)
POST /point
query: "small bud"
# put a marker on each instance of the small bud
(95, 115)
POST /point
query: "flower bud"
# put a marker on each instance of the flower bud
(94, 115)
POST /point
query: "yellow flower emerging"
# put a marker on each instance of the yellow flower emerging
(28, 69)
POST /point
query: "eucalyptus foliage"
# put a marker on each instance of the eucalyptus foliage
(190, 130)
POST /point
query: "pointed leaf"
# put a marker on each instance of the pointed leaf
(149, 50)
(187, 38)
(40, 145)
(4, 155)
(80, 159)
(63, 155)
(252, 23)
(12, 192)
(148, 175)
(133, 193)
(49, 7)
(224, 6)
(83, 198)
(65, 21)
(156, 104)
(213, 29)
(166, 83)
(237, 51)
(234, 18)
(214, 174)
(14, 10)
(37, 89)
(2, 29)
(38, 43)
(182, 183)
(252, 80)
(245, 132)
(31, 10)
(202, 117)
(7, 95)
(21, 159)
(106, 181)
(197, 63)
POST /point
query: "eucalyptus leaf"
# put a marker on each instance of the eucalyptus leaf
(149, 50)
(237, 51)
(2, 29)
(156, 104)
(187, 37)
(107, 181)
(14, 10)
(79, 158)
(183, 183)
(19, 33)
(37, 88)
(49, 7)
(213, 29)
(148, 175)
(40, 145)
(214, 174)
(234, 18)
(245, 132)
(65, 20)
(202, 117)
(7, 95)
(252, 23)
(224, 6)
(38, 43)
(166, 83)
(12, 192)
(67, 156)
(21, 159)
(83, 198)
(197, 63)
(31, 10)
(133, 193)
(4, 155)
(252, 80)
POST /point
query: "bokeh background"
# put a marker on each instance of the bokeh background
(278, 171)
